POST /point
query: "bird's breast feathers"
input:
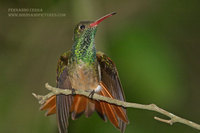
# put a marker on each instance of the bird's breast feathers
(84, 77)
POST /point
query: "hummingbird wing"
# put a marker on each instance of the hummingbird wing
(63, 102)
(60, 104)
(111, 83)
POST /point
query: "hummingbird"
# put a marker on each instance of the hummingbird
(84, 68)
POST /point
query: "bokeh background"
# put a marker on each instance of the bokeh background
(155, 45)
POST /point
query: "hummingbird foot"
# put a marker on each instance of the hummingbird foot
(91, 94)
(73, 92)
(96, 90)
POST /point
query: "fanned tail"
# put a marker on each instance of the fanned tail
(82, 104)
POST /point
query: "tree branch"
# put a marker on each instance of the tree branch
(152, 107)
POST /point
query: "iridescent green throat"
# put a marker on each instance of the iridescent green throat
(83, 49)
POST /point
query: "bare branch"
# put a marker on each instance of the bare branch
(152, 107)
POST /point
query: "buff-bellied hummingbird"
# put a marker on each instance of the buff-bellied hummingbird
(84, 68)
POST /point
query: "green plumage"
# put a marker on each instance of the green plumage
(83, 48)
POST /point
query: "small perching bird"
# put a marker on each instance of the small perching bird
(83, 68)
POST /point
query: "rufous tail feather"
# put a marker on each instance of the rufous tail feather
(78, 107)
(50, 106)
(118, 110)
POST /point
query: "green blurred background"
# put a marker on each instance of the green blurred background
(155, 45)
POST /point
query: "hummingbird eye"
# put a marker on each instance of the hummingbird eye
(82, 27)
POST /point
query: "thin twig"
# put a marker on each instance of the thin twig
(152, 107)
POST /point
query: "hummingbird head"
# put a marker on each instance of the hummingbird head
(85, 29)
(84, 34)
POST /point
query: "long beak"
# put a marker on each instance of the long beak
(95, 23)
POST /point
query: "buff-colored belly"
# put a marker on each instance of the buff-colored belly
(84, 78)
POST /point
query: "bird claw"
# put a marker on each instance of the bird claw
(73, 92)
(91, 94)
